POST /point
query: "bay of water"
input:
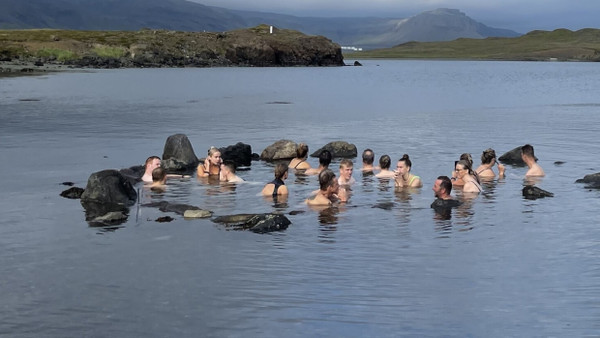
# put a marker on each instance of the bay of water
(382, 265)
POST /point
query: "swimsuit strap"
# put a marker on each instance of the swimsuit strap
(479, 172)
(412, 179)
(297, 164)
(277, 183)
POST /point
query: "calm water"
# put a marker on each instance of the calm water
(383, 265)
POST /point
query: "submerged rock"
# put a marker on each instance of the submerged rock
(282, 149)
(591, 178)
(72, 193)
(532, 192)
(240, 154)
(107, 191)
(178, 154)
(109, 219)
(259, 223)
(200, 213)
(338, 149)
(133, 174)
(179, 209)
(164, 219)
(356, 63)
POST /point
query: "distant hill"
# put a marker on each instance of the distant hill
(182, 15)
(558, 45)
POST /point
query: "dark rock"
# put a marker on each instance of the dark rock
(297, 212)
(532, 192)
(110, 218)
(178, 155)
(259, 223)
(557, 163)
(338, 149)
(593, 185)
(255, 157)
(356, 63)
(282, 149)
(70, 184)
(164, 219)
(109, 186)
(133, 174)
(591, 178)
(38, 63)
(165, 206)
(72, 193)
(513, 157)
(240, 154)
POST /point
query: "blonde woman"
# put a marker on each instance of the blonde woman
(211, 165)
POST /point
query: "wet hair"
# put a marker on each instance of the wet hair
(467, 157)
(325, 158)
(326, 179)
(301, 150)
(368, 156)
(385, 161)
(280, 170)
(150, 159)
(446, 184)
(406, 160)
(488, 155)
(346, 163)
(158, 174)
(467, 165)
(230, 166)
(212, 151)
(527, 150)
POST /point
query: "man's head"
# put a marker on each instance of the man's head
(527, 152)
(152, 163)
(368, 156)
(442, 187)
(325, 158)
(327, 181)
(159, 175)
(346, 167)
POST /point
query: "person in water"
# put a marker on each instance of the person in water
(159, 179)
(277, 186)
(368, 156)
(152, 163)
(346, 167)
(227, 173)
(488, 159)
(300, 161)
(328, 190)
(385, 162)
(211, 165)
(528, 156)
(324, 160)
(442, 189)
(466, 174)
(404, 178)
(457, 181)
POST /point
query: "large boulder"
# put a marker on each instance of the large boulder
(133, 174)
(259, 223)
(107, 191)
(338, 149)
(513, 157)
(240, 154)
(531, 192)
(280, 150)
(178, 154)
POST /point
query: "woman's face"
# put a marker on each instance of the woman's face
(402, 168)
(215, 158)
(460, 170)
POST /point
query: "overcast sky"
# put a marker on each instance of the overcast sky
(519, 15)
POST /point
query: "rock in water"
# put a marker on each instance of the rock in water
(591, 178)
(178, 154)
(165, 206)
(72, 193)
(107, 191)
(197, 213)
(259, 223)
(282, 149)
(338, 149)
(240, 154)
(513, 157)
(532, 192)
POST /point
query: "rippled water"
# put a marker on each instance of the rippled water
(382, 265)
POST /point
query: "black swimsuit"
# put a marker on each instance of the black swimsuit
(277, 183)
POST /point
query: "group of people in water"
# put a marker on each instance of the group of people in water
(333, 189)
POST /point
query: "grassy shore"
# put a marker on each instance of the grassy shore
(560, 44)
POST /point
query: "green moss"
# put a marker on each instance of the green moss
(56, 54)
(109, 52)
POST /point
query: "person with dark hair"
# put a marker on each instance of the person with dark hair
(227, 173)
(159, 179)
(466, 174)
(300, 161)
(152, 163)
(457, 181)
(488, 159)
(385, 162)
(328, 190)
(528, 156)
(441, 189)
(324, 160)
(403, 176)
(368, 157)
(277, 186)
(211, 165)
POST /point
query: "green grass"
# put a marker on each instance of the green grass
(56, 54)
(109, 52)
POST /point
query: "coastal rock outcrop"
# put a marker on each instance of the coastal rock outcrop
(240, 154)
(178, 154)
(280, 150)
(259, 223)
(531, 192)
(107, 191)
(72, 193)
(338, 149)
(513, 157)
